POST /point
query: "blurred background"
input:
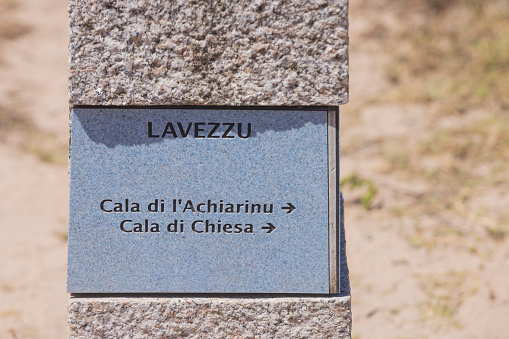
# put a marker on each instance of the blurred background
(424, 168)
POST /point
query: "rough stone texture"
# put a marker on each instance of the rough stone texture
(210, 318)
(224, 52)
(172, 316)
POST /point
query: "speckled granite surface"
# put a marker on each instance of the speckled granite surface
(216, 198)
(210, 318)
(233, 316)
(241, 316)
(224, 52)
(231, 53)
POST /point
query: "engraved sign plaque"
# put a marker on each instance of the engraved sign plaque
(203, 200)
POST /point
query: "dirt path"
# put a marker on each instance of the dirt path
(33, 206)
(416, 271)
(33, 248)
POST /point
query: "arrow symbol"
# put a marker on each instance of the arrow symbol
(270, 227)
(290, 208)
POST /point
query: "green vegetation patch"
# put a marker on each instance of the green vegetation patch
(355, 181)
(459, 55)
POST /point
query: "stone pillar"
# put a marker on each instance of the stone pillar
(225, 53)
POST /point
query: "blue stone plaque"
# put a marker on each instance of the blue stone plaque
(201, 200)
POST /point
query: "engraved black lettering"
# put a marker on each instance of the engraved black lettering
(138, 228)
(169, 129)
(181, 128)
(102, 205)
(189, 206)
(197, 130)
(172, 227)
(211, 205)
(238, 228)
(150, 133)
(239, 130)
(254, 207)
(122, 226)
(249, 228)
(210, 227)
(199, 206)
(227, 228)
(154, 228)
(194, 226)
(213, 130)
(268, 209)
(154, 206)
(228, 130)
(135, 207)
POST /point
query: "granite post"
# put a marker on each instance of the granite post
(225, 54)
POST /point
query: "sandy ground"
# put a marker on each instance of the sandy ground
(34, 199)
(399, 288)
